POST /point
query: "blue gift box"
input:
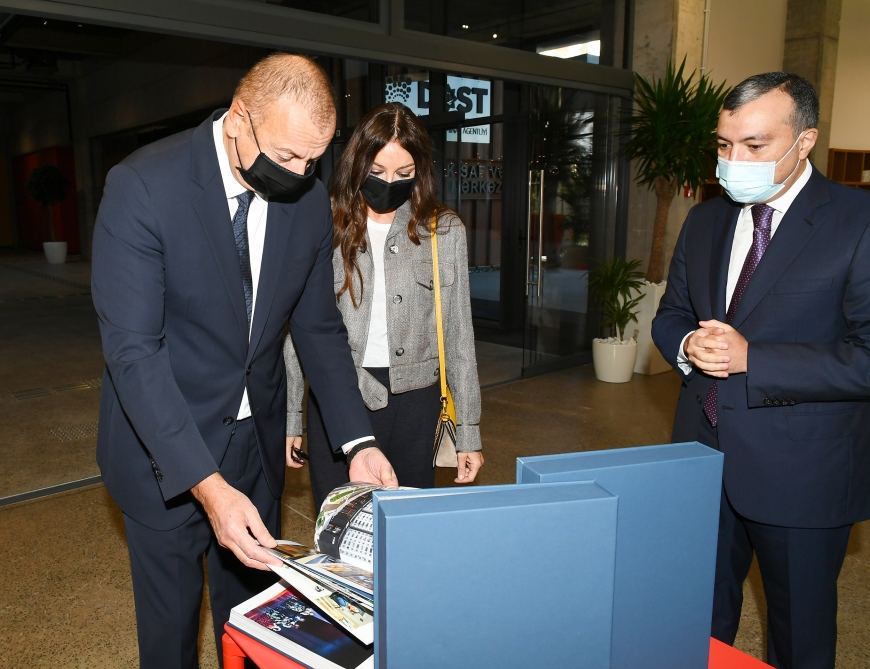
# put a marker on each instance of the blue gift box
(665, 545)
(494, 577)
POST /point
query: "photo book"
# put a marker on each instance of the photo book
(321, 613)
(282, 619)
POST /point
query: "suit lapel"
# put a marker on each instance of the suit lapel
(722, 240)
(210, 205)
(273, 269)
(792, 235)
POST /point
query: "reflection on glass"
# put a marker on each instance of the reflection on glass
(580, 29)
(359, 10)
(470, 158)
(566, 215)
(473, 174)
(351, 83)
(471, 97)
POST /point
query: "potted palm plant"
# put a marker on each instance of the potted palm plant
(47, 185)
(673, 140)
(615, 287)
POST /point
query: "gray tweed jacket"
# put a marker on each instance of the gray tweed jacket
(410, 325)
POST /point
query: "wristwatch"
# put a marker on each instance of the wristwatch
(361, 446)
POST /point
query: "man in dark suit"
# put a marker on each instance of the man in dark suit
(206, 243)
(767, 317)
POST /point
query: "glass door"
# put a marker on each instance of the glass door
(570, 220)
(535, 186)
(473, 167)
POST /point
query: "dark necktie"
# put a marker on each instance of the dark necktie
(240, 232)
(762, 216)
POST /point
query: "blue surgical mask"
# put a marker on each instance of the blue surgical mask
(748, 181)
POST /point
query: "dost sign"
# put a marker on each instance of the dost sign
(469, 96)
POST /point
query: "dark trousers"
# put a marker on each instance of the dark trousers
(799, 570)
(167, 567)
(405, 430)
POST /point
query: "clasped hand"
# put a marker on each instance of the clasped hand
(717, 349)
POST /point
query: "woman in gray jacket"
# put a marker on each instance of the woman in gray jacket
(383, 203)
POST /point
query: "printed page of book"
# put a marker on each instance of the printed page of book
(344, 525)
(280, 618)
(345, 610)
(319, 566)
(356, 578)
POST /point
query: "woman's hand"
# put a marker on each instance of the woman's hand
(469, 464)
(295, 456)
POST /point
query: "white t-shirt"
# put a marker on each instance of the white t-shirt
(377, 353)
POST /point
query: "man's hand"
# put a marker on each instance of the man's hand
(706, 352)
(730, 340)
(293, 446)
(236, 522)
(371, 466)
(469, 464)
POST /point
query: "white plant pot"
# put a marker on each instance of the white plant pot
(649, 360)
(55, 252)
(613, 360)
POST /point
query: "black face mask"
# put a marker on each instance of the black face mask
(270, 180)
(384, 196)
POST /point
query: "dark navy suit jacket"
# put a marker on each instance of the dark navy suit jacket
(168, 293)
(795, 429)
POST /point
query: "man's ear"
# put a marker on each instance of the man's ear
(807, 142)
(236, 119)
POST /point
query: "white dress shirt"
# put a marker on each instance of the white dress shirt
(256, 229)
(256, 241)
(743, 242)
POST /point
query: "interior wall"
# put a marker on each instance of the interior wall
(745, 37)
(850, 128)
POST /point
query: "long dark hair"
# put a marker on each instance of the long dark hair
(380, 126)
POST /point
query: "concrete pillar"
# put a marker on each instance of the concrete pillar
(689, 37)
(663, 31)
(812, 31)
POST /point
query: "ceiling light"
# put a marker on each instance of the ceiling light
(572, 50)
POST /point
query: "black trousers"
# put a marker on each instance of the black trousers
(405, 430)
(167, 567)
(799, 570)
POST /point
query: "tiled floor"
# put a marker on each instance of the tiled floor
(65, 598)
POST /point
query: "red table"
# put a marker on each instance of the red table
(238, 645)
(723, 656)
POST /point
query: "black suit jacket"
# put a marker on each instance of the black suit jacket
(168, 292)
(795, 429)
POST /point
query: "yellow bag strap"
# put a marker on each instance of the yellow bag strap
(439, 323)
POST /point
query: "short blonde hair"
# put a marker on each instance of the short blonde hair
(291, 75)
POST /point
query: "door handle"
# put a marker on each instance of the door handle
(539, 286)
(529, 281)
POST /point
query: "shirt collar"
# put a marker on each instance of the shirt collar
(231, 187)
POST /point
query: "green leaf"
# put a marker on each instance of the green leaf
(615, 286)
(672, 129)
